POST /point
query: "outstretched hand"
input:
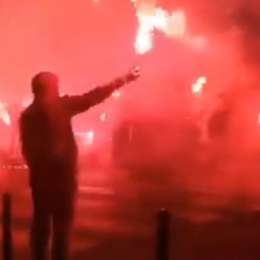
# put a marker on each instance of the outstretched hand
(133, 74)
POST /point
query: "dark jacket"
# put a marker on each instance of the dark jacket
(48, 143)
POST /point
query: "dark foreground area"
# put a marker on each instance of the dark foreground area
(109, 226)
(235, 237)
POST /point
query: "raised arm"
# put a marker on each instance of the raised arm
(79, 104)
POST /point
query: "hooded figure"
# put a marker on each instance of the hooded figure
(50, 150)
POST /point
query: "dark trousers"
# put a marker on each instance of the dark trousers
(53, 211)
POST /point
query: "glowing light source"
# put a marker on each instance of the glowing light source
(4, 115)
(89, 137)
(143, 41)
(198, 86)
(116, 94)
(172, 25)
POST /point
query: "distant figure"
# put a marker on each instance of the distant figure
(50, 150)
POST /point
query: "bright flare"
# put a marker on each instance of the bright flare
(198, 86)
(172, 25)
(90, 136)
(116, 94)
(4, 115)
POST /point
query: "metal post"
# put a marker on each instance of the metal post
(7, 227)
(163, 235)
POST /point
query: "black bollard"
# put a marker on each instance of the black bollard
(7, 228)
(163, 235)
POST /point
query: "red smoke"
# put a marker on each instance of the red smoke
(200, 144)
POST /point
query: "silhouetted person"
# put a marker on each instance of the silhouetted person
(49, 148)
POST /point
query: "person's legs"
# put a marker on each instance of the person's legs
(40, 231)
(62, 225)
